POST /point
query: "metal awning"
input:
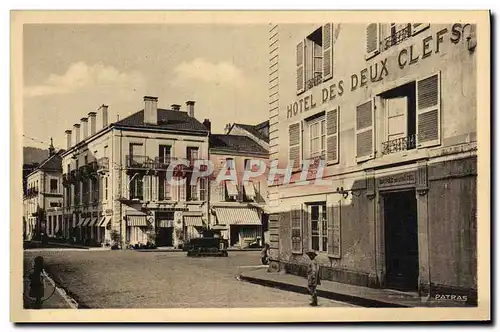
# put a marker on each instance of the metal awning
(165, 223)
(86, 222)
(238, 216)
(231, 188)
(137, 221)
(193, 221)
(249, 189)
(80, 223)
(104, 221)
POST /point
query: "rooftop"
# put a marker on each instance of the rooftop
(254, 129)
(167, 119)
(235, 143)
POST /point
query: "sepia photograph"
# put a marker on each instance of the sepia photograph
(244, 166)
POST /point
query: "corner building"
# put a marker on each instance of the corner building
(391, 110)
(117, 192)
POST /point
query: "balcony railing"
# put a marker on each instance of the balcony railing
(31, 192)
(162, 162)
(103, 164)
(399, 144)
(398, 37)
(316, 80)
(139, 162)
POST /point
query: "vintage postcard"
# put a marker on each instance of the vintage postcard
(240, 166)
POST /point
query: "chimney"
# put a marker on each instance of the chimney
(104, 116)
(92, 118)
(175, 107)
(227, 128)
(76, 131)
(190, 108)
(52, 150)
(150, 110)
(85, 129)
(68, 139)
(208, 125)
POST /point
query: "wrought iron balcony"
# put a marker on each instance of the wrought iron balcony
(398, 37)
(103, 164)
(316, 80)
(139, 162)
(399, 144)
(162, 162)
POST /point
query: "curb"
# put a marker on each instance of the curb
(68, 299)
(352, 299)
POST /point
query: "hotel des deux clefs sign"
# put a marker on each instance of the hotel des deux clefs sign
(376, 72)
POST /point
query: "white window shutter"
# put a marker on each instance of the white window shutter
(429, 111)
(296, 222)
(327, 34)
(147, 188)
(154, 188)
(294, 134)
(300, 67)
(332, 136)
(365, 131)
(334, 239)
(372, 40)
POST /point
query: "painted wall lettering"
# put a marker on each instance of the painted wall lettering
(377, 71)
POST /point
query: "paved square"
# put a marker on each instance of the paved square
(131, 279)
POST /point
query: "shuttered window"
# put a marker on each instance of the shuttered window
(364, 131)
(294, 144)
(332, 135)
(416, 28)
(296, 229)
(334, 230)
(300, 67)
(429, 111)
(147, 188)
(372, 40)
(327, 51)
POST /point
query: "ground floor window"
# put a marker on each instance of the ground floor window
(319, 226)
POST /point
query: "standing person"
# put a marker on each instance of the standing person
(313, 277)
(37, 289)
(264, 254)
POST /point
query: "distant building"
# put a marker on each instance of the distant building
(239, 209)
(42, 200)
(391, 111)
(116, 190)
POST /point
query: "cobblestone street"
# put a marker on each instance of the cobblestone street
(130, 279)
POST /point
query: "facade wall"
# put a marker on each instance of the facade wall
(111, 148)
(358, 218)
(217, 194)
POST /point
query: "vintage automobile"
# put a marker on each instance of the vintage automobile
(206, 246)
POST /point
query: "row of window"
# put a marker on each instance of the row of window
(315, 53)
(53, 186)
(95, 189)
(142, 187)
(400, 119)
(230, 192)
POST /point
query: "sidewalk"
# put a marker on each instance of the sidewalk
(357, 295)
(58, 245)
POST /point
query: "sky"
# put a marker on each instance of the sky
(70, 70)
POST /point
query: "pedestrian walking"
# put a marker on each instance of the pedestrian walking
(264, 255)
(313, 277)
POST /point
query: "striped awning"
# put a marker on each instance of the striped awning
(165, 223)
(80, 223)
(249, 189)
(193, 221)
(93, 222)
(86, 222)
(238, 216)
(104, 221)
(137, 221)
